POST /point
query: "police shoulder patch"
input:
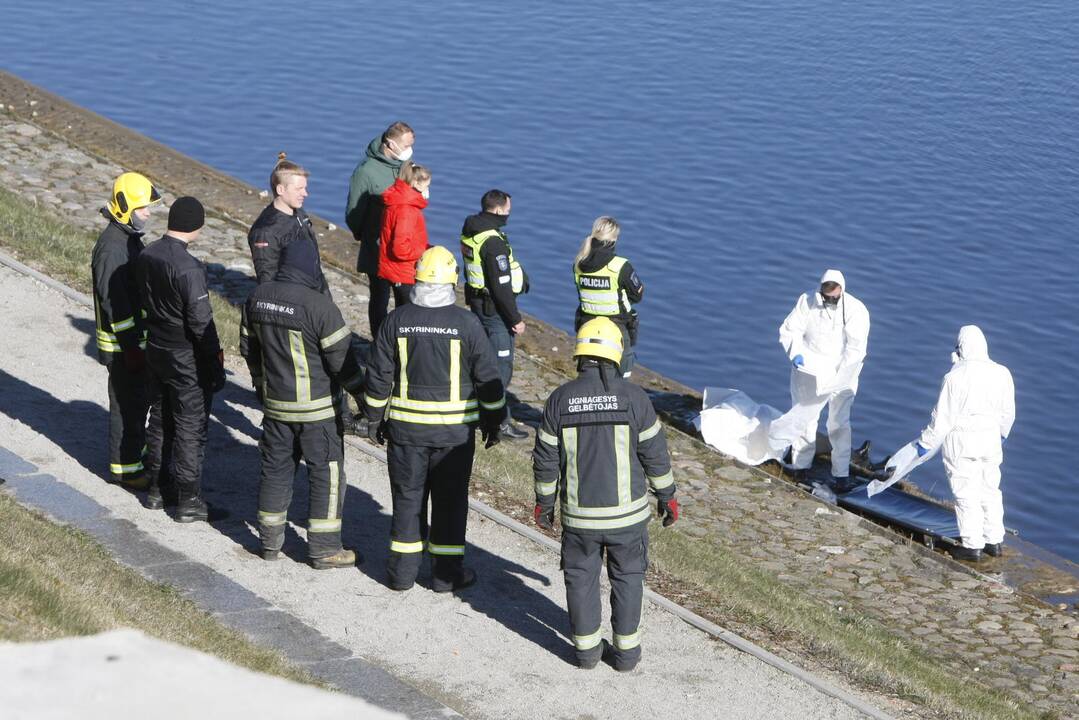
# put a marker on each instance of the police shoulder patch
(503, 262)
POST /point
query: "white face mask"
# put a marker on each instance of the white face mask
(426, 192)
(404, 155)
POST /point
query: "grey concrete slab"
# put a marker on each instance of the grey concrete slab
(55, 498)
(361, 679)
(130, 545)
(209, 589)
(293, 639)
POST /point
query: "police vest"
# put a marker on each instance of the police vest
(470, 252)
(598, 290)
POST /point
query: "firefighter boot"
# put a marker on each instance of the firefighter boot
(621, 660)
(191, 507)
(588, 659)
(340, 559)
(131, 481)
(449, 574)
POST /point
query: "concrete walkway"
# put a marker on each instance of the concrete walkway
(498, 650)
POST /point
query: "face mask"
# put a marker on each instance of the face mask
(426, 193)
(137, 222)
(957, 355)
(830, 301)
(404, 155)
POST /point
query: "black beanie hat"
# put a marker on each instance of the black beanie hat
(186, 215)
(301, 255)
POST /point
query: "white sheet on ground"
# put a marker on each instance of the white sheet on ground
(905, 460)
(735, 425)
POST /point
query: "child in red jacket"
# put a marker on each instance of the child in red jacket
(404, 233)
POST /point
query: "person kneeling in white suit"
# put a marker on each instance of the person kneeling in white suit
(970, 423)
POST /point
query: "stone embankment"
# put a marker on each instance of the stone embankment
(65, 159)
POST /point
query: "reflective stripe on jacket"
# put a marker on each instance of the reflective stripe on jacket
(431, 374)
(598, 290)
(298, 349)
(470, 252)
(599, 451)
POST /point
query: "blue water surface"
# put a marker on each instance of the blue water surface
(928, 149)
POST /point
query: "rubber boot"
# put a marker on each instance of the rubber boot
(994, 549)
(959, 552)
(621, 660)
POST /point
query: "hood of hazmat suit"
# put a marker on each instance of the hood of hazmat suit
(976, 407)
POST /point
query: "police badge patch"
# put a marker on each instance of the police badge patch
(503, 263)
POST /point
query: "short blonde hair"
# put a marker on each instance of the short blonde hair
(283, 171)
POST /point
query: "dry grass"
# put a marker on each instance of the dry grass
(57, 582)
(63, 252)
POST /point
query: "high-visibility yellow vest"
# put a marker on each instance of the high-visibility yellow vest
(470, 253)
(598, 289)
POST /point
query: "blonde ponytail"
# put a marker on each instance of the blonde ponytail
(605, 230)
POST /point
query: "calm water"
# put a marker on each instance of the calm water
(927, 149)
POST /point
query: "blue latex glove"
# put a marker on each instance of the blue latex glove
(798, 361)
(921, 450)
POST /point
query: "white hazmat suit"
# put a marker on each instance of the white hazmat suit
(832, 339)
(974, 413)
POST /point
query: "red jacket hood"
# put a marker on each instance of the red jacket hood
(401, 193)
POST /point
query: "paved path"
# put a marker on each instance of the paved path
(499, 650)
(1016, 644)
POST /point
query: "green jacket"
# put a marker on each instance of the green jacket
(363, 213)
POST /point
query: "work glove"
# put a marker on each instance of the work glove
(217, 384)
(376, 432)
(921, 450)
(798, 361)
(668, 510)
(544, 516)
(359, 426)
(134, 359)
(490, 432)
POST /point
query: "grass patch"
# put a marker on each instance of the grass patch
(61, 251)
(56, 581)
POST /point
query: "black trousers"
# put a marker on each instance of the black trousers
(321, 445)
(402, 294)
(442, 475)
(627, 560)
(502, 340)
(128, 405)
(179, 417)
(378, 304)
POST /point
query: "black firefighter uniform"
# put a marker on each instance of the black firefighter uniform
(432, 375)
(598, 451)
(121, 338)
(298, 349)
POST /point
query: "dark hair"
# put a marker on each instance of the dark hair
(493, 200)
(282, 171)
(396, 131)
(829, 286)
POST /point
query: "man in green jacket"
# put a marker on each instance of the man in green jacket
(363, 214)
